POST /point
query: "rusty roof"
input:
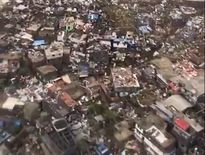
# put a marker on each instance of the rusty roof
(66, 98)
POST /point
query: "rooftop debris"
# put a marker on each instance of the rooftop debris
(101, 77)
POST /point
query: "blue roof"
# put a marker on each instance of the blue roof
(17, 123)
(103, 150)
(2, 50)
(2, 123)
(101, 147)
(145, 29)
(4, 136)
(93, 17)
(39, 42)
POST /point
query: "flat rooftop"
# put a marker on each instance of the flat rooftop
(123, 77)
(154, 128)
(164, 66)
(195, 83)
(161, 136)
(36, 56)
(46, 69)
(178, 102)
(147, 122)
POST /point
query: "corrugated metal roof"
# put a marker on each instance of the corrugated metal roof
(11, 102)
(196, 126)
(162, 108)
(178, 102)
(182, 123)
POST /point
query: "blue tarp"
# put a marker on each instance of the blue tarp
(130, 43)
(93, 17)
(1, 123)
(2, 49)
(83, 70)
(17, 123)
(103, 150)
(145, 29)
(39, 42)
(3, 136)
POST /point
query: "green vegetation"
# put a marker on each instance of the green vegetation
(97, 109)
(82, 146)
(121, 19)
(110, 116)
(24, 69)
(100, 109)
(4, 83)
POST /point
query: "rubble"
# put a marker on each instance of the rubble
(102, 77)
(123, 79)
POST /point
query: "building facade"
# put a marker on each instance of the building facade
(151, 132)
(54, 54)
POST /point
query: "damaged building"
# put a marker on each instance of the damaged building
(124, 80)
(54, 54)
(10, 63)
(151, 132)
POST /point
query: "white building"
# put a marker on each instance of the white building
(54, 54)
(150, 131)
(11, 102)
(124, 80)
(54, 51)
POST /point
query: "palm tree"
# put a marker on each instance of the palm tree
(82, 146)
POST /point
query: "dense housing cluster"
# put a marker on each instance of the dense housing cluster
(102, 77)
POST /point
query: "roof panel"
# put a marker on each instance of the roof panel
(182, 123)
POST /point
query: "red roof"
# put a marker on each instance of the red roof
(173, 86)
(181, 123)
(66, 98)
(52, 89)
